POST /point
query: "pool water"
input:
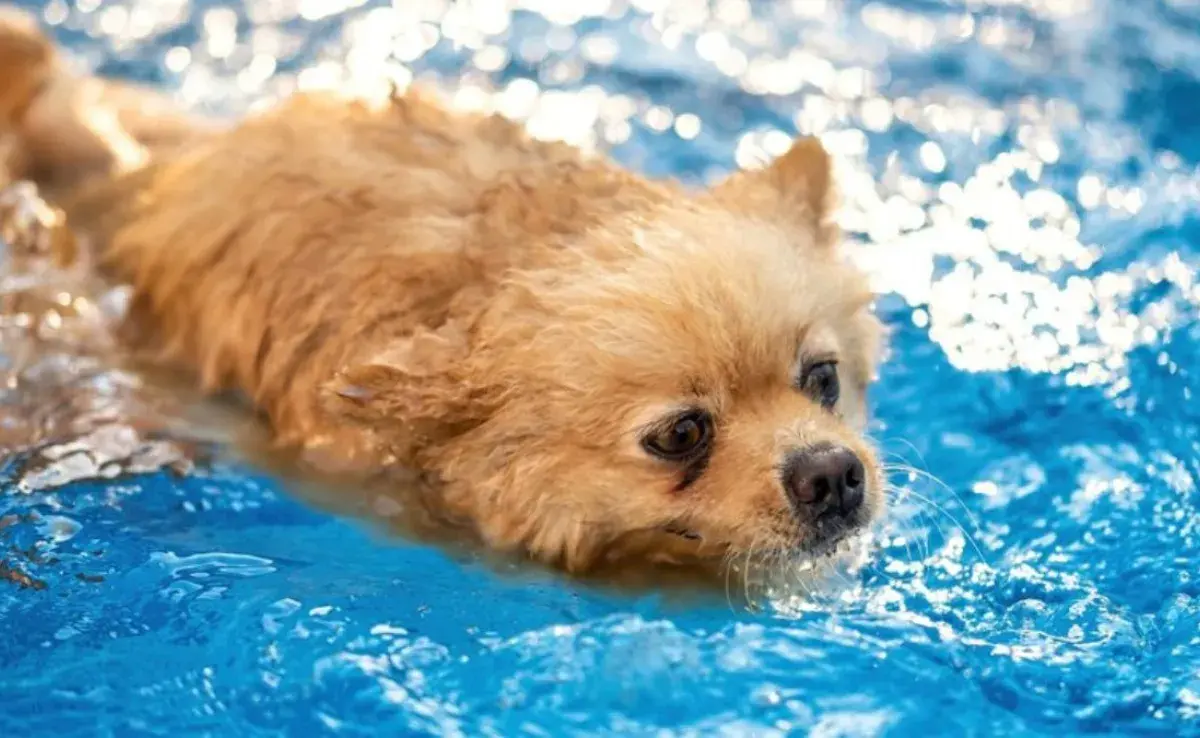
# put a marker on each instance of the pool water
(1019, 176)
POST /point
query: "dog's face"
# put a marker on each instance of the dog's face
(696, 385)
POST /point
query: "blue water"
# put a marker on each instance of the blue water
(1021, 178)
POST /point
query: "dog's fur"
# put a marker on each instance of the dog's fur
(405, 285)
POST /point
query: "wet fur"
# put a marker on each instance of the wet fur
(390, 283)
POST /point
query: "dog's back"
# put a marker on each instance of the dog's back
(264, 253)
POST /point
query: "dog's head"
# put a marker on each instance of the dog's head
(693, 377)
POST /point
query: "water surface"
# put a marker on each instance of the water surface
(1020, 176)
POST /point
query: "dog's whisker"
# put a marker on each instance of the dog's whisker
(971, 518)
(936, 481)
(923, 519)
(746, 572)
(922, 543)
(726, 564)
(966, 534)
(909, 469)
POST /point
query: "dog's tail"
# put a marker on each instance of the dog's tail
(68, 128)
(57, 133)
(27, 60)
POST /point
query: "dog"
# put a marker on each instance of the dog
(586, 364)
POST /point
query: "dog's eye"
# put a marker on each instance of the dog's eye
(820, 382)
(684, 439)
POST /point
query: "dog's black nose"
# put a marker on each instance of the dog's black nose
(825, 478)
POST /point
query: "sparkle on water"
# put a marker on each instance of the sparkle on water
(1020, 178)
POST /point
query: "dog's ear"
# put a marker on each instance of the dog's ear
(797, 187)
(417, 382)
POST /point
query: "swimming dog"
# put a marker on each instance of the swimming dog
(584, 362)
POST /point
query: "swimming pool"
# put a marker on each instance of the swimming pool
(1021, 178)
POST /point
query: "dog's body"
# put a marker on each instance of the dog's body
(406, 286)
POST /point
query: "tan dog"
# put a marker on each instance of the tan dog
(585, 362)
